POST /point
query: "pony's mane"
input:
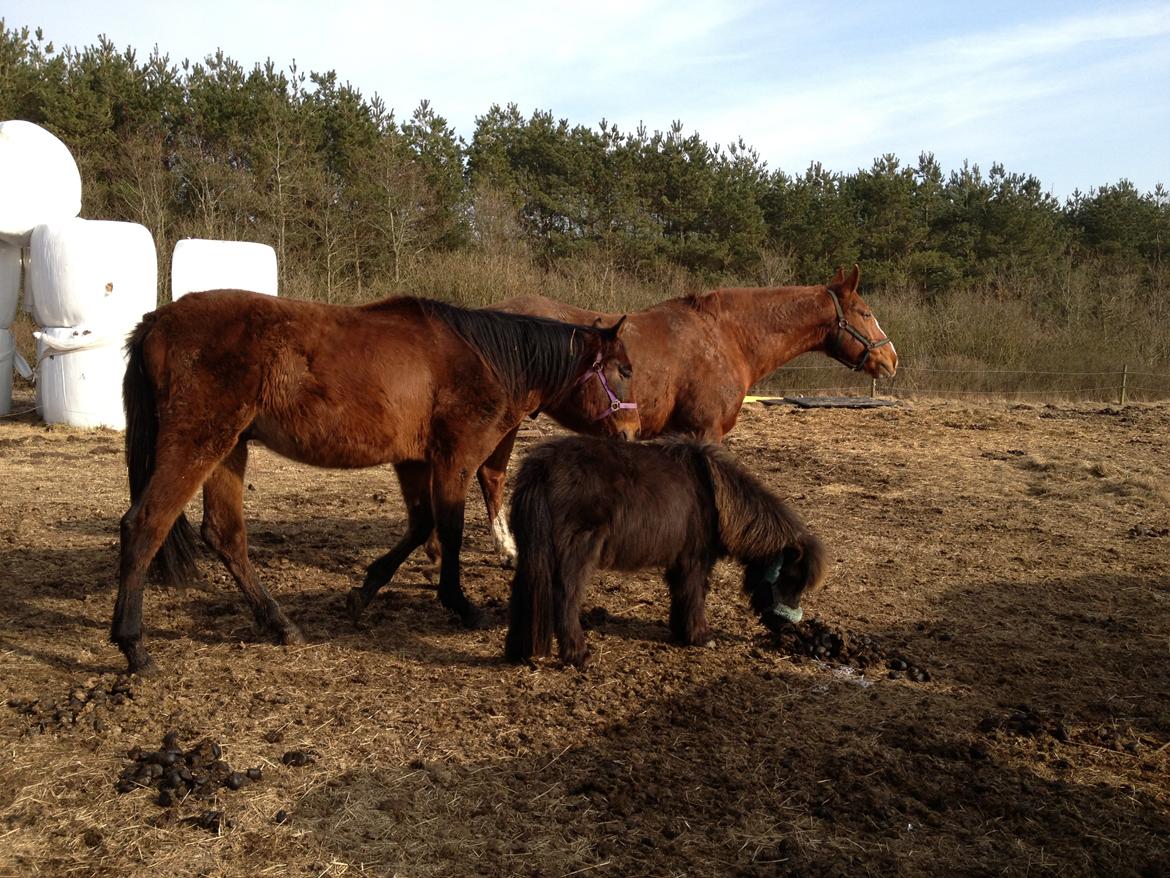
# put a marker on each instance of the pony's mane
(524, 352)
(753, 522)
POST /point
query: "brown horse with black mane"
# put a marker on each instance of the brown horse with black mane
(426, 386)
(697, 356)
(583, 504)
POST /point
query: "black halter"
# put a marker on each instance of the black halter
(844, 325)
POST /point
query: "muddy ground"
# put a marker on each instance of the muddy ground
(982, 687)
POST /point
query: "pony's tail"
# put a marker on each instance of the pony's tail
(530, 621)
(174, 564)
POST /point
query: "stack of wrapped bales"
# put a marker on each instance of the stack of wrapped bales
(91, 282)
(87, 283)
(39, 182)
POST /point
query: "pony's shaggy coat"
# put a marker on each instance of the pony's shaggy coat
(426, 386)
(582, 504)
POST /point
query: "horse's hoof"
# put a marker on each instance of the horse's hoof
(139, 662)
(291, 635)
(475, 619)
(577, 658)
(355, 603)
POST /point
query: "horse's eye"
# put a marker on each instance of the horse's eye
(625, 371)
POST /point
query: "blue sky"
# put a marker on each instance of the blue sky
(1076, 93)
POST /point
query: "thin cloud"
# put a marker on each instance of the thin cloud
(979, 93)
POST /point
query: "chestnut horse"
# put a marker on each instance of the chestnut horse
(583, 504)
(697, 356)
(426, 386)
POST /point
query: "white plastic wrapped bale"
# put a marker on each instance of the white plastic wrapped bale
(79, 377)
(39, 180)
(7, 360)
(198, 265)
(9, 283)
(40, 355)
(26, 301)
(92, 273)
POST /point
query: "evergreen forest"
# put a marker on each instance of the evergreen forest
(969, 268)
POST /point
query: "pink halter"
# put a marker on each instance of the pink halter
(615, 404)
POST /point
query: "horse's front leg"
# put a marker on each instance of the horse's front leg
(492, 474)
(448, 497)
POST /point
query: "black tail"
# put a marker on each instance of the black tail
(175, 562)
(531, 606)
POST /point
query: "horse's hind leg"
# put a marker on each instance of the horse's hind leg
(415, 479)
(177, 475)
(224, 532)
(688, 601)
(448, 496)
(574, 569)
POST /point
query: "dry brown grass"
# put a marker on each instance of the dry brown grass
(1021, 553)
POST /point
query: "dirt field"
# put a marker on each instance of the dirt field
(992, 694)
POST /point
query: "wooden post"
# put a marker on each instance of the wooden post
(1124, 381)
(872, 388)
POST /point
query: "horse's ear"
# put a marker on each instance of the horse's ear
(854, 278)
(838, 278)
(613, 331)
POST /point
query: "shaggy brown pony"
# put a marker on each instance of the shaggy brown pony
(582, 504)
(426, 386)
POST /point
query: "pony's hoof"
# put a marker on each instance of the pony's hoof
(290, 635)
(577, 658)
(139, 662)
(355, 603)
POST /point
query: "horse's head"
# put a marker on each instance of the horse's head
(604, 395)
(776, 585)
(855, 338)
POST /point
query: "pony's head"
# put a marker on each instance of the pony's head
(604, 394)
(776, 585)
(855, 338)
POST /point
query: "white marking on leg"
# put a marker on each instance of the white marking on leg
(502, 537)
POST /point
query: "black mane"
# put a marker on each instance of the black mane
(524, 352)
